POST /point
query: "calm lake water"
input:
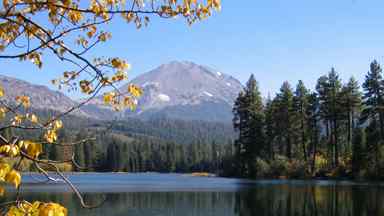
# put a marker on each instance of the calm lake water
(153, 194)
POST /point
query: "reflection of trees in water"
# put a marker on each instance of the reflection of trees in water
(293, 200)
(145, 204)
(276, 200)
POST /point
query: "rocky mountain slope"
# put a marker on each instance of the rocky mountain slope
(41, 97)
(182, 90)
(178, 90)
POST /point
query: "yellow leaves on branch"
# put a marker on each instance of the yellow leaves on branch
(58, 124)
(54, 209)
(4, 169)
(109, 97)
(32, 149)
(135, 90)
(35, 58)
(9, 175)
(51, 134)
(24, 100)
(10, 150)
(17, 119)
(1, 91)
(92, 31)
(13, 177)
(123, 101)
(104, 36)
(3, 111)
(74, 15)
(120, 64)
(37, 209)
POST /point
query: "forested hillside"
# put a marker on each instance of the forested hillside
(160, 144)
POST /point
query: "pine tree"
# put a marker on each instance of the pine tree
(373, 96)
(313, 125)
(300, 106)
(249, 122)
(285, 117)
(351, 103)
(329, 91)
(270, 126)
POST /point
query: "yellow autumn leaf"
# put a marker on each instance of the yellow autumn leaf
(24, 143)
(14, 151)
(34, 149)
(14, 211)
(17, 119)
(5, 149)
(13, 177)
(4, 169)
(10, 150)
(32, 117)
(24, 100)
(119, 64)
(3, 111)
(50, 136)
(217, 5)
(58, 124)
(135, 90)
(108, 97)
(52, 209)
(1, 91)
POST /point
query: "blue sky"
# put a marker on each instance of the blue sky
(276, 40)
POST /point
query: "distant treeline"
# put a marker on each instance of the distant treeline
(132, 145)
(336, 130)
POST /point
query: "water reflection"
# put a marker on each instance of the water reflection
(260, 200)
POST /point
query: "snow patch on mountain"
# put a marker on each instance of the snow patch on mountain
(208, 94)
(164, 97)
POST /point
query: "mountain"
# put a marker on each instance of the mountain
(41, 97)
(177, 90)
(181, 90)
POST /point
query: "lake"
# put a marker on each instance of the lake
(151, 194)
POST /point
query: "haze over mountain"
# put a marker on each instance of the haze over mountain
(177, 90)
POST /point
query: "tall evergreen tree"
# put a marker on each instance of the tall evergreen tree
(285, 117)
(300, 106)
(351, 104)
(270, 126)
(249, 121)
(329, 89)
(373, 98)
(313, 125)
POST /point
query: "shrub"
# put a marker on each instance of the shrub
(279, 166)
(262, 168)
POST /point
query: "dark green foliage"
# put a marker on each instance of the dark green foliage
(373, 96)
(301, 105)
(329, 91)
(249, 121)
(286, 118)
(351, 104)
(358, 149)
(316, 133)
